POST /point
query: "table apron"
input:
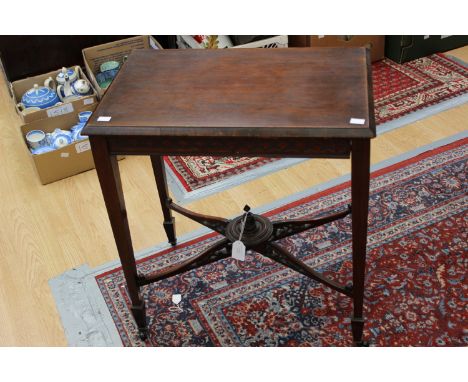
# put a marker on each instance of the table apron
(229, 146)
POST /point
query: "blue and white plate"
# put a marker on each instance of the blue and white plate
(61, 138)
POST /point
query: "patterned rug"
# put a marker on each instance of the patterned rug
(415, 287)
(399, 89)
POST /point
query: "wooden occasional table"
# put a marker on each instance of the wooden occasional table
(298, 102)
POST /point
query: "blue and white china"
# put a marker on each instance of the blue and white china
(108, 72)
(65, 91)
(77, 134)
(61, 138)
(36, 139)
(77, 129)
(57, 132)
(72, 73)
(69, 91)
(84, 116)
(40, 142)
(39, 96)
(81, 87)
(42, 150)
(102, 81)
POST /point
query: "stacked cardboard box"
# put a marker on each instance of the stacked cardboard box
(75, 157)
(69, 160)
(66, 161)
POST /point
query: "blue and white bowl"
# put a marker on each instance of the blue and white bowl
(109, 65)
(84, 116)
(36, 139)
(40, 96)
(61, 140)
(110, 74)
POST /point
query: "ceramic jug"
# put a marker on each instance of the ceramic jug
(65, 90)
(81, 87)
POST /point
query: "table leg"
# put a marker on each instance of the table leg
(360, 174)
(161, 182)
(109, 177)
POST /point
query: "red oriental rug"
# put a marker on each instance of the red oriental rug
(399, 89)
(416, 289)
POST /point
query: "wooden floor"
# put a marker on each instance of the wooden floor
(46, 230)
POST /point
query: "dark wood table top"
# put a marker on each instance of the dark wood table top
(294, 92)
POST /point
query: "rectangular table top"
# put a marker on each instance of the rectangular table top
(293, 92)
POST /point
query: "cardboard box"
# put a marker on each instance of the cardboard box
(375, 43)
(280, 41)
(67, 161)
(94, 56)
(402, 49)
(18, 88)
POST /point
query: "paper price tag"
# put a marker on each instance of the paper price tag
(60, 110)
(104, 118)
(176, 298)
(357, 121)
(64, 155)
(88, 101)
(238, 250)
(82, 146)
